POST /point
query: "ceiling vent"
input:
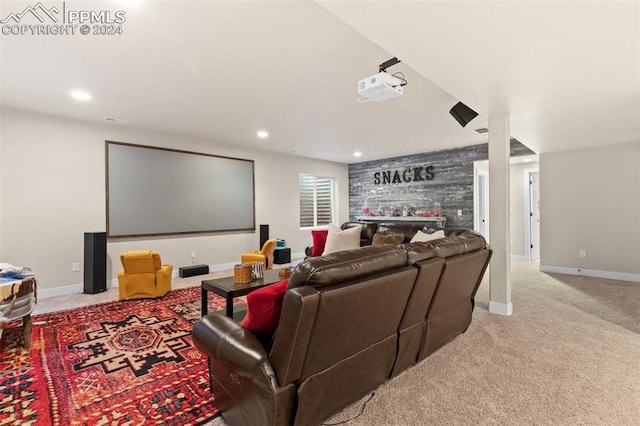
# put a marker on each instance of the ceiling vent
(482, 130)
(116, 120)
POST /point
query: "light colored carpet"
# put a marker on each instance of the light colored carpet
(569, 355)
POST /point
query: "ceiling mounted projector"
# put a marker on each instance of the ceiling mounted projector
(381, 86)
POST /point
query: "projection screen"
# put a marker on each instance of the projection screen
(158, 191)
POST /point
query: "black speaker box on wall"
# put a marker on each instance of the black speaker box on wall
(264, 235)
(462, 113)
(95, 262)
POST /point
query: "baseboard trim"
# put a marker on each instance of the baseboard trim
(222, 267)
(501, 308)
(45, 293)
(612, 275)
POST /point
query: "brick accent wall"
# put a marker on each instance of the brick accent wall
(449, 182)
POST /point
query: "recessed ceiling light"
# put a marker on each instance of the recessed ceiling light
(80, 95)
(357, 154)
(262, 134)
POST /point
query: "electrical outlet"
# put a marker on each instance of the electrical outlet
(75, 267)
(459, 212)
(583, 253)
(193, 253)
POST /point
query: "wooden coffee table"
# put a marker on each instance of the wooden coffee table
(229, 289)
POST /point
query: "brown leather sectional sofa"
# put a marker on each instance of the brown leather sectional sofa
(350, 321)
(369, 229)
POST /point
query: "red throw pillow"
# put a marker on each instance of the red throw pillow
(263, 308)
(319, 240)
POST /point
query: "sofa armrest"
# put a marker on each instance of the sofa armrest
(222, 339)
(164, 272)
(246, 386)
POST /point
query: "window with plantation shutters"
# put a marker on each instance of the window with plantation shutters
(316, 200)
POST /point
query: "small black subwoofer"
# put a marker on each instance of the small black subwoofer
(282, 255)
(191, 271)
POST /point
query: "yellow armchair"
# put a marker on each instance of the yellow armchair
(265, 255)
(144, 275)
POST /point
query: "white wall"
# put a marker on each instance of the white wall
(590, 199)
(52, 182)
(1, 192)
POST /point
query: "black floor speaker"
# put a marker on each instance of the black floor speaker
(264, 235)
(95, 262)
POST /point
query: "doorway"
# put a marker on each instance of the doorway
(482, 198)
(534, 214)
(524, 206)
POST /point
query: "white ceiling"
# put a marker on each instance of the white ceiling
(567, 73)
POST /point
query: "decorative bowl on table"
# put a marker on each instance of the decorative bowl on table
(284, 272)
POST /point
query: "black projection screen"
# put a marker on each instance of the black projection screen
(158, 191)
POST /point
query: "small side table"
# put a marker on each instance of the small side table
(17, 301)
(229, 289)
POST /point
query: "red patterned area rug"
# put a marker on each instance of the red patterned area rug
(116, 363)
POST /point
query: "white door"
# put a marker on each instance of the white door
(534, 215)
(483, 204)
